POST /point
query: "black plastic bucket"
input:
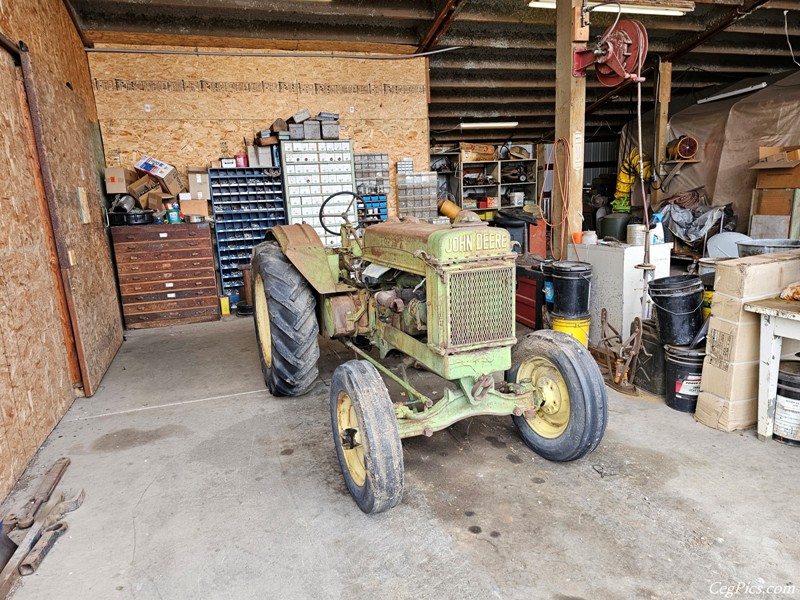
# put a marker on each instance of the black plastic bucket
(787, 408)
(679, 308)
(684, 368)
(547, 270)
(571, 287)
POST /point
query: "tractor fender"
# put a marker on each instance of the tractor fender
(302, 246)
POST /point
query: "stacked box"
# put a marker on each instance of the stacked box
(729, 386)
(417, 195)
(372, 173)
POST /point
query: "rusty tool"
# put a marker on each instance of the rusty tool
(42, 547)
(42, 494)
(66, 505)
(620, 356)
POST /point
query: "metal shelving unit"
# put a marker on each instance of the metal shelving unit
(246, 202)
(314, 170)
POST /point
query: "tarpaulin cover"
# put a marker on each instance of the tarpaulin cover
(729, 132)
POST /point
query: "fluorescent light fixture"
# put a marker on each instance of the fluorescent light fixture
(634, 9)
(495, 125)
(752, 88)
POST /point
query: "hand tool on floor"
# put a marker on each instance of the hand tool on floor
(37, 554)
(66, 505)
(24, 518)
(51, 516)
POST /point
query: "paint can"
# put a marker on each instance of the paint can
(787, 408)
(241, 160)
(684, 369)
(637, 233)
(576, 327)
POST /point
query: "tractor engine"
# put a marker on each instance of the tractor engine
(453, 285)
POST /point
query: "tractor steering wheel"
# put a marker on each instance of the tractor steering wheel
(344, 215)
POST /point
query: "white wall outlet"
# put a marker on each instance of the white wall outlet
(147, 108)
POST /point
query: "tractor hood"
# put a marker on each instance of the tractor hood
(400, 245)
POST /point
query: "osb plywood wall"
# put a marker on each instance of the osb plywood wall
(35, 387)
(190, 110)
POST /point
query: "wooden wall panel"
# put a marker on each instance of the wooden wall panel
(35, 383)
(72, 143)
(189, 110)
(35, 380)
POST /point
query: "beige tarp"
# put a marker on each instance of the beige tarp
(730, 132)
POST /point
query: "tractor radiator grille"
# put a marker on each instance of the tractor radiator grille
(481, 306)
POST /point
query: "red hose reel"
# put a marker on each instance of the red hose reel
(618, 55)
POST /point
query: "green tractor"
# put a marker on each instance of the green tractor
(443, 295)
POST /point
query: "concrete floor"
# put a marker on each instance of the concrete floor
(199, 484)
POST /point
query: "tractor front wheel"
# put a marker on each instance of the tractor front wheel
(573, 418)
(286, 322)
(366, 436)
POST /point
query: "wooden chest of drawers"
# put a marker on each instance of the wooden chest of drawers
(166, 274)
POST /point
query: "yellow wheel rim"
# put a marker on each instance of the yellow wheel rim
(350, 436)
(551, 420)
(262, 321)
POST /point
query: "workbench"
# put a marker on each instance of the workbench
(779, 319)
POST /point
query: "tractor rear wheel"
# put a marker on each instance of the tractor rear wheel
(573, 419)
(286, 322)
(366, 436)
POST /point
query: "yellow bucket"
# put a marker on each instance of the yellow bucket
(449, 208)
(708, 297)
(577, 328)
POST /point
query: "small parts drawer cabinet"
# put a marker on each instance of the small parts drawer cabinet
(166, 274)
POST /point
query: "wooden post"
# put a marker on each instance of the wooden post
(570, 122)
(664, 96)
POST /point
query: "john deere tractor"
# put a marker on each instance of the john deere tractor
(443, 295)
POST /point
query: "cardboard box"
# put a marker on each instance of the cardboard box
(731, 308)
(252, 158)
(157, 198)
(731, 342)
(264, 156)
(774, 153)
(167, 175)
(228, 163)
(730, 381)
(330, 130)
(118, 179)
(773, 202)
(296, 131)
(143, 186)
(772, 175)
(478, 152)
(194, 207)
(726, 415)
(312, 130)
(763, 275)
(198, 182)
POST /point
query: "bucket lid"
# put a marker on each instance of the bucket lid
(685, 351)
(789, 371)
(571, 265)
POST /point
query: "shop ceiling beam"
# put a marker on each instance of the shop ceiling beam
(719, 23)
(129, 38)
(441, 24)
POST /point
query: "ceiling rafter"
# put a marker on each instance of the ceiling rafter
(441, 24)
